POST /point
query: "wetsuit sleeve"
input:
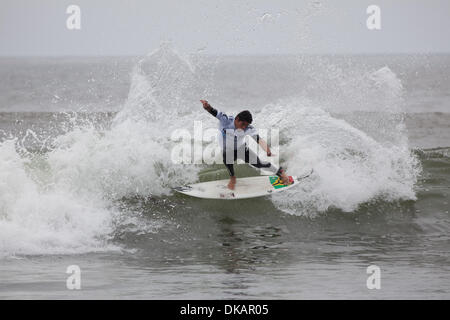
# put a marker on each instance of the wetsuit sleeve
(212, 111)
(222, 117)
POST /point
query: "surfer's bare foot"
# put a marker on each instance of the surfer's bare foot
(232, 183)
(285, 179)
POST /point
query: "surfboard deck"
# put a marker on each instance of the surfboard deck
(245, 188)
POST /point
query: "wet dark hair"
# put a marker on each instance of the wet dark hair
(245, 116)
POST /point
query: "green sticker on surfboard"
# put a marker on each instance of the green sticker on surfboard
(276, 182)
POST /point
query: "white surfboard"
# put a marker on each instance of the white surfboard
(245, 188)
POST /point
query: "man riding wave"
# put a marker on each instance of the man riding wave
(233, 131)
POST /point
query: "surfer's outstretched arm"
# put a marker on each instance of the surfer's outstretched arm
(222, 117)
(208, 108)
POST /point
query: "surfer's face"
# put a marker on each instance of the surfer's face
(240, 124)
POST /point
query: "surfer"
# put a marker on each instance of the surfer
(233, 130)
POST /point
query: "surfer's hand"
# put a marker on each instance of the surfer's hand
(269, 154)
(205, 104)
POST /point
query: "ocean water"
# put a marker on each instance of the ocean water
(86, 176)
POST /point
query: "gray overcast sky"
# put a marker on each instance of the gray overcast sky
(135, 27)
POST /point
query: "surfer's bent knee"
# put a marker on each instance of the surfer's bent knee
(258, 163)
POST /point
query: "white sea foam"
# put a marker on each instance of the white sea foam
(67, 204)
(351, 166)
(37, 220)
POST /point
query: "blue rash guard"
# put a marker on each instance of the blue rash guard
(229, 133)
